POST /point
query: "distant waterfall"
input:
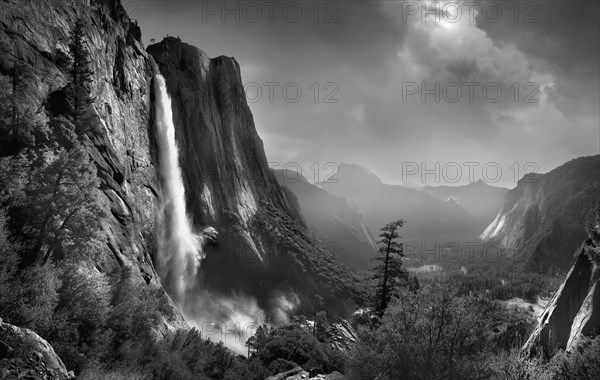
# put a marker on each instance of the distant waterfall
(180, 250)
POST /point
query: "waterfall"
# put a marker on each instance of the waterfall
(229, 318)
(179, 249)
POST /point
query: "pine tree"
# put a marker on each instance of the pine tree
(257, 341)
(64, 215)
(389, 273)
(81, 76)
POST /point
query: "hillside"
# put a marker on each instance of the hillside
(426, 216)
(541, 220)
(339, 226)
(480, 200)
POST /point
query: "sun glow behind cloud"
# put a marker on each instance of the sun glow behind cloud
(371, 51)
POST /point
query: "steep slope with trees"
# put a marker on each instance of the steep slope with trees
(479, 199)
(338, 225)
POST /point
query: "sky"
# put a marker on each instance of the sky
(418, 92)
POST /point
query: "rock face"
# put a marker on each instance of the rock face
(380, 203)
(574, 311)
(541, 219)
(258, 241)
(34, 36)
(479, 199)
(263, 246)
(338, 225)
(24, 352)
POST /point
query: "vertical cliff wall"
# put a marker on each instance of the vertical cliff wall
(540, 221)
(263, 247)
(34, 38)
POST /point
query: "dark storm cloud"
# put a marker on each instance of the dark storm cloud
(362, 54)
(565, 35)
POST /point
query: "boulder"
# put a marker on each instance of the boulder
(23, 352)
(299, 374)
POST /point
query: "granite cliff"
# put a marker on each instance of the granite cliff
(541, 219)
(573, 313)
(264, 247)
(34, 38)
(258, 243)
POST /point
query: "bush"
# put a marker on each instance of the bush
(582, 364)
(38, 298)
(80, 319)
(9, 262)
(429, 334)
(293, 343)
(281, 365)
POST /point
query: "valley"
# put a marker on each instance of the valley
(145, 234)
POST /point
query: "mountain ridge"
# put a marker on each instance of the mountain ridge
(542, 217)
(426, 216)
(339, 226)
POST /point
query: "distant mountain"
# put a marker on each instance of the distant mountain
(426, 216)
(338, 225)
(542, 220)
(479, 199)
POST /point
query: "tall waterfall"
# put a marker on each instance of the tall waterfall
(229, 318)
(180, 250)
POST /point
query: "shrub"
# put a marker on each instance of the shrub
(281, 365)
(38, 298)
(293, 343)
(429, 334)
(9, 262)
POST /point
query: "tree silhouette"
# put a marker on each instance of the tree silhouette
(389, 272)
(257, 341)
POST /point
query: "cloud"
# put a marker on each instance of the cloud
(373, 50)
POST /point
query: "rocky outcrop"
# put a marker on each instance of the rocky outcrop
(338, 225)
(299, 374)
(380, 203)
(34, 37)
(263, 247)
(540, 221)
(573, 313)
(24, 353)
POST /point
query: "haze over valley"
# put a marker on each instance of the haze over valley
(368, 190)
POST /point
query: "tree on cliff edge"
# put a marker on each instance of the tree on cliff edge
(389, 272)
(81, 76)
